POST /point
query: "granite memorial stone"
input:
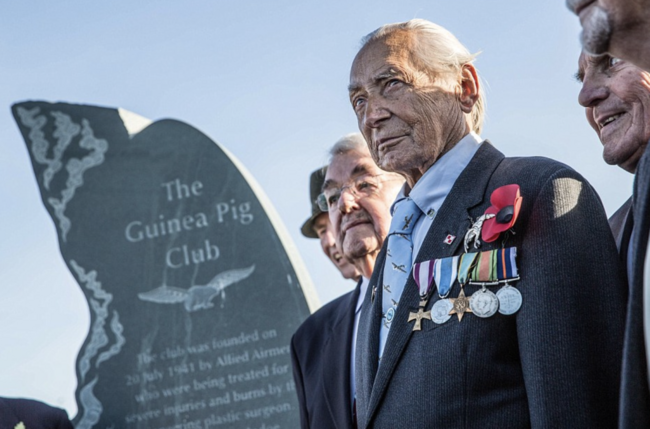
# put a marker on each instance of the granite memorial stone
(193, 285)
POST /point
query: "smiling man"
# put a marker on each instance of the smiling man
(618, 27)
(322, 349)
(528, 333)
(616, 97)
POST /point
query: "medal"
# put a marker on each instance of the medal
(509, 300)
(460, 305)
(444, 272)
(485, 270)
(440, 312)
(421, 314)
(466, 261)
(423, 276)
(484, 303)
(506, 260)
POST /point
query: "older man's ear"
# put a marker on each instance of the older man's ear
(469, 88)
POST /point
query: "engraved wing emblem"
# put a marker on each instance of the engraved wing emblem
(197, 297)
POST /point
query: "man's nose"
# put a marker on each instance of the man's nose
(328, 238)
(593, 92)
(347, 201)
(376, 112)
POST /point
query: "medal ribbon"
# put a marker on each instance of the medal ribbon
(466, 261)
(507, 263)
(423, 275)
(445, 271)
(486, 267)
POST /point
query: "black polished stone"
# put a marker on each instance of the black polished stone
(192, 295)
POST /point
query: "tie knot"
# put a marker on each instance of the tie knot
(405, 216)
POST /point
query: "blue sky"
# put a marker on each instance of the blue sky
(267, 80)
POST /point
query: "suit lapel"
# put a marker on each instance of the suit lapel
(621, 224)
(452, 218)
(337, 354)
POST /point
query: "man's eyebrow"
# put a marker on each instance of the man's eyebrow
(353, 87)
(388, 74)
(580, 75)
(359, 170)
(328, 183)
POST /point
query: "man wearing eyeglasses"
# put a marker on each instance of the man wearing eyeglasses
(357, 195)
(525, 334)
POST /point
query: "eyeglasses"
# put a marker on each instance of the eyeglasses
(362, 186)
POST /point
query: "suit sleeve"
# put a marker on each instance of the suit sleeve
(300, 387)
(571, 324)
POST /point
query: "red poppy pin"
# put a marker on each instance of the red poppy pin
(506, 202)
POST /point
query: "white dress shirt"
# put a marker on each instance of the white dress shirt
(430, 192)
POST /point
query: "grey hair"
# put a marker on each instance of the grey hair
(348, 143)
(439, 51)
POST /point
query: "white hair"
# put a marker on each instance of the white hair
(439, 51)
(348, 143)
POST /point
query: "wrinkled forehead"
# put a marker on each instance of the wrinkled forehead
(348, 166)
(585, 60)
(394, 49)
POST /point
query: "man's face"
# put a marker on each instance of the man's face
(408, 118)
(360, 224)
(616, 97)
(608, 24)
(325, 232)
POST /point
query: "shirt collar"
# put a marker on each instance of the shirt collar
(433, 187)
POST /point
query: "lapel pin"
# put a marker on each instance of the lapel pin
(449, 239)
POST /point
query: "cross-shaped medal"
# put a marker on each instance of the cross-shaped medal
(421, 314)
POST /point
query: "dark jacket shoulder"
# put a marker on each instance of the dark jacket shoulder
(325, 318)
(33, 414)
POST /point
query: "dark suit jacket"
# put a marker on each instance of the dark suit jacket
(553, 364)
(33, 415)
(621, 223)
(320, 352)
(635, 396)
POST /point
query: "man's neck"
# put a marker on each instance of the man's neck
(366, 264)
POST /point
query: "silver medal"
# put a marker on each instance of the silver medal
(509, 300)
(440, 311)
(484, 303)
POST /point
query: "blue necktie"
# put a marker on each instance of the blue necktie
(399, 257)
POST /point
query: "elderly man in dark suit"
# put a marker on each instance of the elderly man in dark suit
(621, 28)
(322, 349)
(18, 413)
(512, 316)
(616, 97)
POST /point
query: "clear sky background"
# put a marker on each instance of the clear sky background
(265, 79)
